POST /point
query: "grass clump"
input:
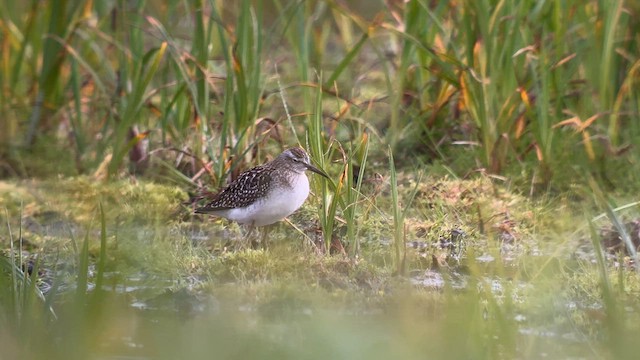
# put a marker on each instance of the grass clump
(505, 286)
(519, 87)
(519, 115)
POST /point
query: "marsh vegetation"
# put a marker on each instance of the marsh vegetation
(483, 195)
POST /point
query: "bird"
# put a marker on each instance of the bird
(267, 193)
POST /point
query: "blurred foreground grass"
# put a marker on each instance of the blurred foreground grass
(529, 286)
(510, 126)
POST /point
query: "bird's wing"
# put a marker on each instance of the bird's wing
(243, 191)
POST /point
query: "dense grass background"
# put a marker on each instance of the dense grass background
(540, 88)
(539, 95)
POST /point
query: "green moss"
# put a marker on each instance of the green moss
(516, 251)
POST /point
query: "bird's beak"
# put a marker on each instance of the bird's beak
(316, 170)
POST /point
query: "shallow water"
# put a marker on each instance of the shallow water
(177, 290)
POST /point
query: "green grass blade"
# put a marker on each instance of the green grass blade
(102, 260)
(82, 277)
(347, 60)
(398, 221)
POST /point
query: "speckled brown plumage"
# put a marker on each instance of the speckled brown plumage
(266, 193)
(244, 191)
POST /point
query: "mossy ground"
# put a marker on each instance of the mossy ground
(472, 245)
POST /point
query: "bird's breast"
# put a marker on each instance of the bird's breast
(281, 201)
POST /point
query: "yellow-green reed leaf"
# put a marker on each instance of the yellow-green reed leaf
(97, 79)
(441, 58)
(629, 86)
(588, 146)
(159, 54)
(397, 214)
(327, 229)
(347, 60)
(135, 102)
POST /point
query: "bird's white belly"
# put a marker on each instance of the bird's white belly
(278, 204)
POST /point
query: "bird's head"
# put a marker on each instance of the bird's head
(299, 161)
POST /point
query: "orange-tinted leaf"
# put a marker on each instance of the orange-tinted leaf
(438, 44)
(142, 135)
(564, 61)
(538, 153)
(588, 122)
(524, 96)
(466, 97)
(574, 121)
(477, 47)
(364, 138)
(520, 124)
(525, 49)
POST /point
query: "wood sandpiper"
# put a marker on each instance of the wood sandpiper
(266, 193)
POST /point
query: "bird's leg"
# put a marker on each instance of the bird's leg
(265, 233)
(255, 240)
(247, 238)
